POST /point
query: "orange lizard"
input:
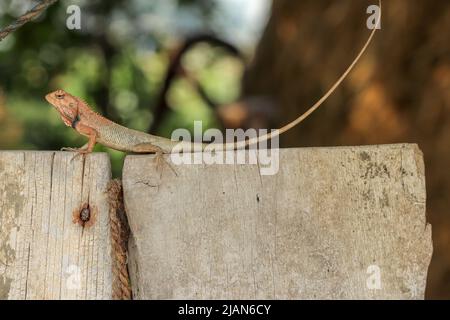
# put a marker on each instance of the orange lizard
(77, 114)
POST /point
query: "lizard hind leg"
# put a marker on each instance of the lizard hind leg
(159, 156)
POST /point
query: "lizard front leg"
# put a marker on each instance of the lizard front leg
(92, 136)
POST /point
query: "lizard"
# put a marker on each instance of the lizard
(77, 114)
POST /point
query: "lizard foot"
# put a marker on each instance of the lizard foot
(70, 149)
(80, 152)
(160, 162)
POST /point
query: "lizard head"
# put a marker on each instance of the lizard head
(65, 104)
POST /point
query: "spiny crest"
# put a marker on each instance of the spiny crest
(87, 106)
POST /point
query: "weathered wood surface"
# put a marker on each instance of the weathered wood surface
(346, 223)
(43, 254)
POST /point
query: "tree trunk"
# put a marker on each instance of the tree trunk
(399, 92)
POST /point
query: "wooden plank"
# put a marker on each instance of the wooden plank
(334, 223)
(43, 253)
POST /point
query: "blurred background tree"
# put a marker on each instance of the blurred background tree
(117, 62)
(400, 92)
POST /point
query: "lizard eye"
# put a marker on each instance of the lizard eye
(60, 96)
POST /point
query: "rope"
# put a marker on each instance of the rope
(35, 12)
(121, 287)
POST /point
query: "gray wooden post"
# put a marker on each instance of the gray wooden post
(345, 223)
(44, 254)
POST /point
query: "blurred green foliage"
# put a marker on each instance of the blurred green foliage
(114, 63)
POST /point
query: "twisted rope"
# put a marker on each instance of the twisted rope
(35, 12)
(121, 287)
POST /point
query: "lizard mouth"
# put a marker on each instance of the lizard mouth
(49, 98)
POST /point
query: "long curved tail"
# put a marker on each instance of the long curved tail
(301, 118)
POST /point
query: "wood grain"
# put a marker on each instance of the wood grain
(43, 253)
(334, 223)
